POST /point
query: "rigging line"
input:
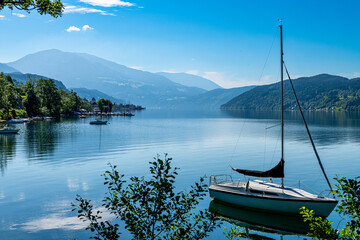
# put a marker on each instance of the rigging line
(237, 142)
(273, 126)
(307, 129)
(277, 142)
(265, 145)
(267, 58)
(262, 72)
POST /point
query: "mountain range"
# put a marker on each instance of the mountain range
(212, 99)
(23, 78)
(91, 76)
(7, 69)
(322, 91)
(93, 93)
(78, 70)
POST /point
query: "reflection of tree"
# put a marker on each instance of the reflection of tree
(7, 146)
(41, 137)
(321, 121)
(320, 118)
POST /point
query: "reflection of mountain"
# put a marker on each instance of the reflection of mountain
(257, 221)
(7, 146)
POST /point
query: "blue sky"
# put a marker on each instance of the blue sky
(228, 42)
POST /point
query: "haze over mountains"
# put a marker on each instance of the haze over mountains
(78, 70)
(7, 69)
(190, 80)
(91, 76)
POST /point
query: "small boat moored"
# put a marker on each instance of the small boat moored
(9, 130)
(15, 121)
(98, 122)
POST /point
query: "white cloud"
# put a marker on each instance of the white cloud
(20, 197)
(2, 16)
(137, 67)
(225, 82)
(84, 10)
(76, 29)
(58, 220)
(170, 71)
(73, 184)
(19, 15)
(87, 27)
(108, 3)
(193, 72)
(85, 186)
(73, 29)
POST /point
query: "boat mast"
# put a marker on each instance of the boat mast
(282, 98)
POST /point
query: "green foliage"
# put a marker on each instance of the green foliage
(323, 91)
(53, 8)
(150, 209)
(31, 102)
(234, 233)
(40, 98)
(70, 102)
(105, 105)
(49, 97)
(84, 104)
(319, 228)
(348, 190)
(8, 98)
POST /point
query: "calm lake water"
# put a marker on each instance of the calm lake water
(48, 163)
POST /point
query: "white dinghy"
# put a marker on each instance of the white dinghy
(268, 196)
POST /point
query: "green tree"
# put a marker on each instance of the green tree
(70, 102)
(150, 209)
(348, 190)
(84, 104)
(7, 94)
(50, 100)
(53, 8)
(31, 101)
(105, 105)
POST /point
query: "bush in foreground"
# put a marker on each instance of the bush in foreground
(149, 209)
(348, 190)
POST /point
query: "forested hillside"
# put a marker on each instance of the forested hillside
(317, 92)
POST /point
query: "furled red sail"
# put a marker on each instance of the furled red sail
(275, 172)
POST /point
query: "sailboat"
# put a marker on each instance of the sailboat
(266, 195)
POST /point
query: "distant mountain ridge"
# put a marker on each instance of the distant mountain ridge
(322, 91)
(92, 93)
(23, 78)
(212, 99)
(190, 80)
(7, 69)
(77, 70)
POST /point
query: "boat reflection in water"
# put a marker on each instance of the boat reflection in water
(260, 222)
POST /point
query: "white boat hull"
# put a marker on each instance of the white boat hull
(272, 202)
